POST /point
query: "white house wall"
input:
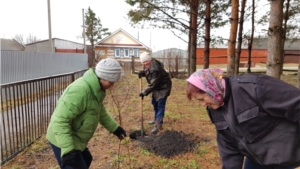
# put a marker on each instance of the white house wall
(44, 46)
(63, 44)
(120, 38)
(39, 47)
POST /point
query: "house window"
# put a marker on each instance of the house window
(126, 52)
(135, 52)
(117, 52)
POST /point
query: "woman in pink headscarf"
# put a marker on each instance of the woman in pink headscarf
(256, 116)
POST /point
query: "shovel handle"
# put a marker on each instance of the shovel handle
(141, 109)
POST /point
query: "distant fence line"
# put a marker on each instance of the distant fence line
(26, 108)
(22, 65)
(176, 65)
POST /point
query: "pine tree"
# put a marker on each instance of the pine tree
(94, 32)
(184, 18)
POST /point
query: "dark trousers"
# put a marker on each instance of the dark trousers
(82, 160)
(159, 109)
(253, 165)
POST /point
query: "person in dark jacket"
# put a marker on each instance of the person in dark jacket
(256, 116)
(78, 112)
(159, 84)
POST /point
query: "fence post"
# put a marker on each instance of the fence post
(73, 77)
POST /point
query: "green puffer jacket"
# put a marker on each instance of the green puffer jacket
(77, 114)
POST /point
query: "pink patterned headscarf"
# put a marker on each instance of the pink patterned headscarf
(210, 81)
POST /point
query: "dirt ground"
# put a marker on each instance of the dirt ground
(188, 140)
(167, 144)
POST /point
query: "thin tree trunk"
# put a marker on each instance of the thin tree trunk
(286, 18)
(194, 26)
(189, 49)
(251, 38)
(93, 54)
(232, 37)
(207, 34)
(240, 39)
(275, 38)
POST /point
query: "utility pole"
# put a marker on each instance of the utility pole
(83, 33)
(49, 25)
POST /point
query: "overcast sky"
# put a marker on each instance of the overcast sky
(31, 17)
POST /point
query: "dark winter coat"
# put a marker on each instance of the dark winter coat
(159, 81)
(260, 120)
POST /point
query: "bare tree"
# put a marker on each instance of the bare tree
(19, 38)
(18, 42)
(30, 39)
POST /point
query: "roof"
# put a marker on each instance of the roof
(52, 39)
(101, 43)
(11, 44)
(262, 43)
(173, 51)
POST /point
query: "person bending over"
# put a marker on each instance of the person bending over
(78, 112)
(256, 116)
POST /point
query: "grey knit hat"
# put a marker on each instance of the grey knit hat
(108, 69)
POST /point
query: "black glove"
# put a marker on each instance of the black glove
(142, 95)
(141, 74)
(68, 159)
(120, 133)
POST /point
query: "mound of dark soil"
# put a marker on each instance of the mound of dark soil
(167, 144)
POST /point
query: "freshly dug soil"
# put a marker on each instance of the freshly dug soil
(167, 144)
(137, 133)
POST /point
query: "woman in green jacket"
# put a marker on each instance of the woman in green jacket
(78, 112)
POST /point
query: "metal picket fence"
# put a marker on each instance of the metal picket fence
(26, 108)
